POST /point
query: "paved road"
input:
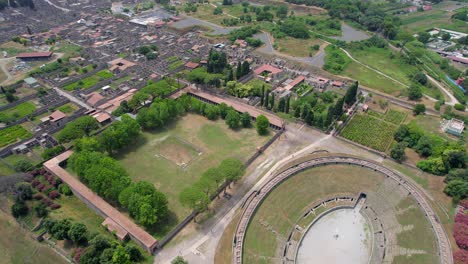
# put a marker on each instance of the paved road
(445, 251)
(72, 98)
(451, 99)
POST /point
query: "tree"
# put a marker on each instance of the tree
(414, 92)
(194, 199)
(238, 70)
(272, 101)
(446, 36)
(179, 260)
(424, 146)
(401, 133)
(262, 95)
(457, 189)
(52, 152)
(23, 191)
(41, 210)
(424, 37)
(134, 253)
(245, 68)
(144, 203)
(82, 126)
(297, 111)
(78, 233)
(233, 119)
(338, 109)
(60, 230)
(309, 118)
(404, 37)
(329, 119)
(19, 209)
(231, 169)
(23, 165)
(419, 109)
(398, 152)
(286, 108)
(421, 78)
(267, 99)
(351, 94)
(246, 119)
(262, 124)
(121, 256)
(281, 104)
(100, 242)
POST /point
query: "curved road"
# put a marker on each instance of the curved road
(445, 251)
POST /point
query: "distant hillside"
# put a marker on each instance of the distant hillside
(16, 3)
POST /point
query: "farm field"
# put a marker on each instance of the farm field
(16, 245)
(438, 17)
(370, 131)
(298, 47)
(89, 81)
(175, 157)
(17, 112)
(12, 134)
(277, 214)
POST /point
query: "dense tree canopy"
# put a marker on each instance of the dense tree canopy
(80, 127)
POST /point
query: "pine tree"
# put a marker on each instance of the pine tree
(286, 108)
(338, 109)
(329, 119)
(351, 93)
(297, 112)
(263, 95)
(267, 99)
(309, 119)
(231, 75)
(281, 105)
(305, 110)
(239, 70)
(272, 101)
(245, 68)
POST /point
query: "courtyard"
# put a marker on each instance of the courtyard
(174, 158)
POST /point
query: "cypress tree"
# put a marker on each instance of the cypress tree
(281, 105)
(351, 93)
(272, 101)
(238, 70)
(338, 110)
(286, 108)
(263, 95)
(297, 112)
(267, 99)
(329, 119)
(309, 119)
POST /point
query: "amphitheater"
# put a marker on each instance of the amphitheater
(279, 221)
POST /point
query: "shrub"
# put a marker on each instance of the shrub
(40, 187)
(23, 165)
(459, 107)
(38, 196)
(47, 201)
(41, 210)
(460, 233)
(65, 189)
(55, 206)
(460, 256)
(35, 183)
(19, 209)
(54, 194)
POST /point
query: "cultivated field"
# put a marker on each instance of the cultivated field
(370, 131)
(89, 81)
(175, 158)
(13, 134)
(276, 216)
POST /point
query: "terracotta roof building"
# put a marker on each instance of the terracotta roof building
(35, 55)
(114, 220)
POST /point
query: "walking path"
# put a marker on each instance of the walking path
(452, 100)
(445, 251)
(72, 98)
(3, 67)
(56, 6)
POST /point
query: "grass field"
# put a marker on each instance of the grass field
(370, 131)
(277, 214)
(17, 247)
(201, 143)
(421, 21)
(12, 134)
(385, 61)
(12, 48)
(17, 112)
(89, 81)
(369, 78)
(68, 108)
(298, 47)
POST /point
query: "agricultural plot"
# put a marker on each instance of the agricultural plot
(89, 81)
(395, 117)
(370, 131)
(17, 112)
(12, 134)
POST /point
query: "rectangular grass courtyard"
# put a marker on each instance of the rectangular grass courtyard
(175, 157)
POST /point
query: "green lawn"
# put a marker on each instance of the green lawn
(193, 140)
(17, 246)
(12, 134)
(68, 108)
(421, 21)
(17, 112)
(298, 47)
(89, 81)
(386, 61)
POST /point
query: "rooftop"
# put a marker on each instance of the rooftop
(267, 68)
(34, 55)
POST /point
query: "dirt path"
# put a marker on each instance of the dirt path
(451, 99)
(3, 67)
